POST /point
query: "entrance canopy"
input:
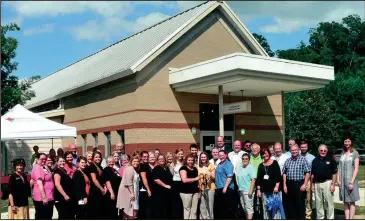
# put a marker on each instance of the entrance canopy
(254, 74)
(248, 75)
(22, 124)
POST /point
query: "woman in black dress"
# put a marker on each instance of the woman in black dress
(97, 190)
(112, 181)
(63, 193)
(19, 191)
(82, 188)
(189, 190)
(268, 182)
(161, 191)
(146, 175)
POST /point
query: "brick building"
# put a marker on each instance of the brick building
(155, 87)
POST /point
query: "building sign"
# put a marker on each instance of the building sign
(241, 107)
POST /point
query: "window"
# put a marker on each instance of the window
(84, 143)
(96, 140)
(107, 144)
(121, 135)
(209, 118)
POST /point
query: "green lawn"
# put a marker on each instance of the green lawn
(361, 173)
(4, 205)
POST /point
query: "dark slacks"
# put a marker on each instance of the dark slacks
(65, 209)
(110, 208)
(224, 204)
(81, 212)
(161, 204)
(143, 205)
(96, 206)
(295, 200)
(43, 211)
(176, 202)
(257, 206)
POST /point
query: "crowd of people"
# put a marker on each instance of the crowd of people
(249, 182)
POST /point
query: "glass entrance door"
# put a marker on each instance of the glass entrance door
(208, 140)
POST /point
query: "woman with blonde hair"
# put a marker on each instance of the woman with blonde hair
(112, 181)
(129, 190)
(116, 158)
(177, 206)
(189, 190)
(147, 180)
(170, 161)
(206, 171)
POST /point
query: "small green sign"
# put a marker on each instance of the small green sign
(243, 131)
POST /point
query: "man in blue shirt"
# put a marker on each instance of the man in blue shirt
(309, 158)
(224, 193)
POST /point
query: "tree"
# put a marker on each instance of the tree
(12, 92)
(263, 42)
(326, 115)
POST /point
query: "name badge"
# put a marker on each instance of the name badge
(327, 162)
(266, 177)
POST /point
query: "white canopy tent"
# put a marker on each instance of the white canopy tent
(22, 124)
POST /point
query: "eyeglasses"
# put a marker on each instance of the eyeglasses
(43, 158)
(244, 158)
(324, 151)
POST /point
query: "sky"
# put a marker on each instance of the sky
(54, 34)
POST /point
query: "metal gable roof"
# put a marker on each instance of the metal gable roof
(119, 57)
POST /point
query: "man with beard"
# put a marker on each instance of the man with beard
(247, 146)
(309, 158)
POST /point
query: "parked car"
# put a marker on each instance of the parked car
(337, 155)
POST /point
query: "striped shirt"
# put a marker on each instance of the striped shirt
(296, 168)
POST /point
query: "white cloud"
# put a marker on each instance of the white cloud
(147, 21)
(55, 8)
(44, 28)
(291, 16)
(287, 17)
(113, 26)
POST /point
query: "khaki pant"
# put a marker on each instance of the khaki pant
(308, 201)
(324, 199)
(206, 204)
(190, 204)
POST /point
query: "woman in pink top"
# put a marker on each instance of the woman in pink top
(69, 166)
(43, 187)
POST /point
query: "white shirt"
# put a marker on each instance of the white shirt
(281, 160)
(235, 158)
(176, 173)
(216, 162)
